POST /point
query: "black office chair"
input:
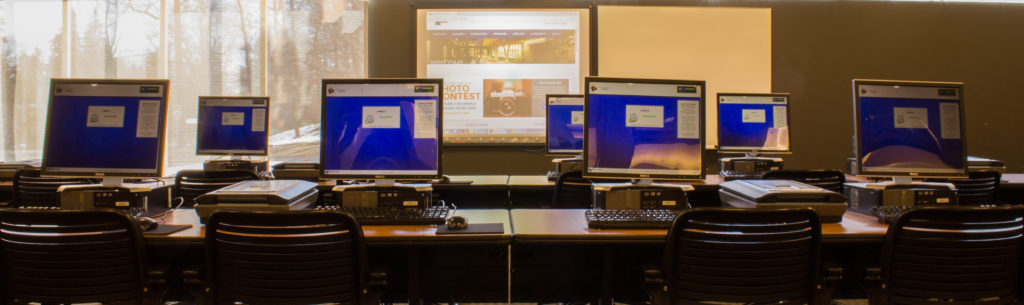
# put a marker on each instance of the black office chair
(742, 256)
(75, 256)
(832, 180)
(189, 184)
(32, 190)
(979, 188)
(572, 191)
(951, 255)
(295, 257)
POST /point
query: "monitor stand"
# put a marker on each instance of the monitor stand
(383, 193)
(236, 163)
(900, 191)
(641, 194)
(111, 193)
(564, 165)
(750, 166)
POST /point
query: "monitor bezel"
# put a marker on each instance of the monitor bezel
(356, 81)
(789, 124)
(201, 123)
(161, 132)
(961, 172)
(547, 124)
(586, 127)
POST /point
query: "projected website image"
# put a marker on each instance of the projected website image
(753, 127)
(104, 132)
(232, 126)
(380, 135)
(565, 128)
(644, 135)
(519, 97)
(916, 134)
(501, 47)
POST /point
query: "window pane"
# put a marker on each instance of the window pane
(31, 31)
(213, 49)
(309, 40)
(114, 39)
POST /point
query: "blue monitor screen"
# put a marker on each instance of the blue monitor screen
(637, 129)
(908, 130)
(753, 123)
(381, 130)
(232, 126)
(108, 129)
(565, 124)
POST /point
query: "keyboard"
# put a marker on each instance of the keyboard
(131, 211)
(630, 219)
(887, 214)
(390, 216)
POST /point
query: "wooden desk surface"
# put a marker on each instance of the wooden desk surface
(1011, 179)
(373, 234)
(542, 180)
(482, 180)
(554, 225)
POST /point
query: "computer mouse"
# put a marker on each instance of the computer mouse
(457, 223)
(146, 223)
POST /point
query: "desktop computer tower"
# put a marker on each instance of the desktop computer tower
(379, 196)
(253, 166)
(95, 196)
(864, 196)
(733, 168)
(630, 196)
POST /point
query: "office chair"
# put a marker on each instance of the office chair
(832, 180)
(75, 256)
(572, 191)
(294, 257)
(950, 255)
(742, 256)
(979, 188)
(32, 190)
(189, 184)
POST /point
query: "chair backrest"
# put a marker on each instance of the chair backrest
(189, 184)
(572, 191)
(743, 255)
(71, 256)
(955, 255)
(30, 189)
(832, 180)
(293, 257)
(979, 188)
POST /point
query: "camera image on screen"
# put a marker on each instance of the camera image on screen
(507, 98)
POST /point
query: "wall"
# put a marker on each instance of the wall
(817, 48)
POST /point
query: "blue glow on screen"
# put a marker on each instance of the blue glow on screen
(562, 134)
(215, 136)
(350, 146)
(614, 145)
(71, 143)
(882, 144)
(736, 133)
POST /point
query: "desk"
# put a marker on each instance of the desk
(421, 264)
(483, 191)
(536, 191)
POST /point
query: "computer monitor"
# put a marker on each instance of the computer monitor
(105, 128)
(564, 124)
(753, 123)
(232, 126)
(384, 129)
(909, 129)
(643, 128)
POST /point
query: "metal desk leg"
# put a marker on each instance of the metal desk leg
(414, 276)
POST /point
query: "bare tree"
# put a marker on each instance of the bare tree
(245, 77)
(110, 45)
(216, 58)
(10, 80)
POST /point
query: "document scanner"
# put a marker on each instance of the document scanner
(258, 195)
(783, 194)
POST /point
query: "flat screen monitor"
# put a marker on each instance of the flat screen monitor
(498, 65)
(913, 129)
(105, 128)
(564, 124)
(232, 126)
(641, 128)
(753, 123)
(381, 129)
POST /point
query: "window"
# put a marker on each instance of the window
(277, 48)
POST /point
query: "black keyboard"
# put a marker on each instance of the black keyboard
(630, 219)
(389, 216)
(887, 214)
(131, 211)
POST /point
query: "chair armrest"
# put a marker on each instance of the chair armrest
(376, 285)
(873, 284)
(654, 284)
(832, 275)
